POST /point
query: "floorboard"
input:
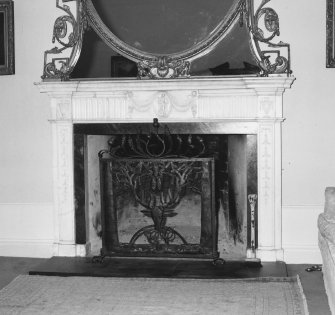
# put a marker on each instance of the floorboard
(313, 286)
(11, 267)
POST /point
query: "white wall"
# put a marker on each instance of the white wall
(26, 157)
(25, 162)
(309, 130)
(25, 143)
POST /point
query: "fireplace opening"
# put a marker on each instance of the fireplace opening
(196, 225)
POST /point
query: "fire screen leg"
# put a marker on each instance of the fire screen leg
(218, 261)
(99, 259)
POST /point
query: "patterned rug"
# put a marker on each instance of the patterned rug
(147, 296)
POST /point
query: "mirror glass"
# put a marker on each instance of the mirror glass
(231, 56)
(162, 26)
(2, 39)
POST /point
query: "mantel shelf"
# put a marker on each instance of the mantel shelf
(255, 83)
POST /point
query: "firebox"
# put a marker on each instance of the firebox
(179, 190)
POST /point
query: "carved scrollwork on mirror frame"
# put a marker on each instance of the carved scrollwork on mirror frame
(262, 24)
(68, 33)
(330, 37)
(264, 27)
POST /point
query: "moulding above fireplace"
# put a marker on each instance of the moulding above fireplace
(230, 98)
(242, 105)
(210, 83)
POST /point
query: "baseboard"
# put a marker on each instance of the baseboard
(268, 255)
(302, 255)
(69, 250)
(26, 248)
(26, 229)
(300, 234)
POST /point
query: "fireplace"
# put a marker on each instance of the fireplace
(222, 220)
(243, 111)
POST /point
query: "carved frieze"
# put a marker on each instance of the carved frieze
(229, 106)
(63, 109)
(266, 138)
(266, 106)
(100, 108)
(64, 181)
(269, 185)
(163, 104)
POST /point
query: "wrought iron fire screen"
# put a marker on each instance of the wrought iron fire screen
(156, 200)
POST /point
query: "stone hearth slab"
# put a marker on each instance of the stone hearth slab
(124, 267)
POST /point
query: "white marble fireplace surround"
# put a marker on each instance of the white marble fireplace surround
(241, 105)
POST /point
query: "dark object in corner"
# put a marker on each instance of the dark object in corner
(7, 62)
(224, 69)
(314, 268)
(122, 67)
(330, 35)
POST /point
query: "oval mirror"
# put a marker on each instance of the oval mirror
(163, 39)
(163, 27)
(162, 36)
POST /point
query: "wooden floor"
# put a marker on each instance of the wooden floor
(312, 282)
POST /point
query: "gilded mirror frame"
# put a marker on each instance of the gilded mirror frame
(7, 37)
(262, 24)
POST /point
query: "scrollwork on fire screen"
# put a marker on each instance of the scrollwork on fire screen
(262, 23)
(158, 186)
